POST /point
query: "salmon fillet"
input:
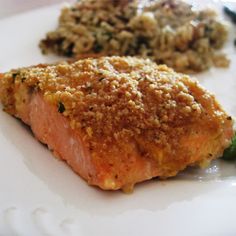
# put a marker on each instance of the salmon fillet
(118, 121)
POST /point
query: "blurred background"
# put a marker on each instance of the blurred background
(9, 7)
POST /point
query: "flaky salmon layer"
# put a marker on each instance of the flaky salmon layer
(118, 121)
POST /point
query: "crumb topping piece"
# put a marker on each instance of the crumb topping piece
(116, 98)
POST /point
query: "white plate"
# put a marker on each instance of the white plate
(40, 195)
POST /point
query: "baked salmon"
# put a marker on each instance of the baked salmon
(118, 121)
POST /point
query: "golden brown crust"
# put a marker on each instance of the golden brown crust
(124, 105)
(115, 96)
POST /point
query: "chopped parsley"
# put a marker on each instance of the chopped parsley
(14, 75)
(97, 47)
(61, 107)
(101, 79)
(230, 152)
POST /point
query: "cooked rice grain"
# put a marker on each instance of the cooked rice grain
(167, 31)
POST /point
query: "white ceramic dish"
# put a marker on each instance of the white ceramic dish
(40, 195)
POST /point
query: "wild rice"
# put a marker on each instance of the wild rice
(167, 31)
